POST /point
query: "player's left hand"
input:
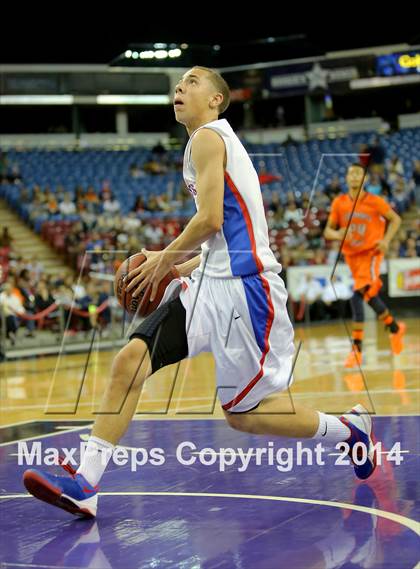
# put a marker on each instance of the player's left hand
(151, 272)
(382, 246)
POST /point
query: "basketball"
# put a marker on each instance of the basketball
(139, 305)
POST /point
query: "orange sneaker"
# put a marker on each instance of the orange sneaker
(397, 339)
(354, 359)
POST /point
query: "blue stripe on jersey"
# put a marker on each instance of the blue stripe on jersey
(256, 297)
(235, 230)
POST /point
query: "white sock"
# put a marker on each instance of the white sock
(331, 429)
(95, 459)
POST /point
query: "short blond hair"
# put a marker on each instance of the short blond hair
(220, 85)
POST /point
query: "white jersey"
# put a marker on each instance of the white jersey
(241, 247)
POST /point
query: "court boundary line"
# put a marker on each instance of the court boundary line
(409, 523)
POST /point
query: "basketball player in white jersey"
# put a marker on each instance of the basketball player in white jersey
(232, 303)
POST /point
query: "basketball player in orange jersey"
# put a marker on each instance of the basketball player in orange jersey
(232, 303)
(361, 219)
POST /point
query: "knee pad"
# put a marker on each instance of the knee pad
(378, 305)
(356, 302)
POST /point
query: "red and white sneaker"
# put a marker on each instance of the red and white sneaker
(359, 422)
(75, 494)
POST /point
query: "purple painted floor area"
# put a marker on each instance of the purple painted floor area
(202, 532)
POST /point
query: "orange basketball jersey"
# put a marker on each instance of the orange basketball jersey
(367, 225)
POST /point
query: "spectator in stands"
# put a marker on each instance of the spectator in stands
(364, 156)
(292, 213)
(11, 307)
(106, 191)
(394, 249)
(301, 255)
(26, 290)
(318, 257)
(153, 233)
(292, 197)
(131, 223)
(25, 195)
(43, 300)
(16, 265)
(415, 183)
(400, 198)
(52, 205)
(333, 188)
(411, 250)
(13, 175)
(163, 203)
(37, 208)
(159, 150)
(154, 167)
(63, 293)
(39, 194)
(67, 207)
(136, 172)
(88, 217)
(315, 239)
(178, 201)
(153, 205)
(43, 296)
(79, 197)
(394, 168)
(374, 186)
(413, 233)
(377, 155)
(140, 205)
(111, 205)
(133, 245)
(416, 172)
(183, 197)
(294, 240)
(73, 241)
(60, 194)
(106, 223)
(94, 241)
(275, 203)
(35, 268)
(92, 198)
(318, 199)
(5, 238)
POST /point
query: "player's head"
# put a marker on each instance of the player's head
(201, 93)
(355, 176)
